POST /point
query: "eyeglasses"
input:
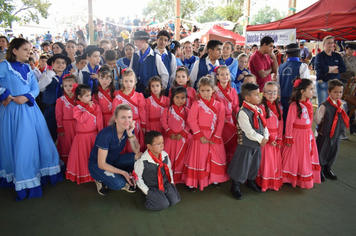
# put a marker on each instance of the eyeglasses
(271, 93)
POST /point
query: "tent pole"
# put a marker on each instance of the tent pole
(91, 23)
(246, 15)
(292, 7)
(177, 27)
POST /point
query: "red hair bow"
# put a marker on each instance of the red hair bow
(123, 70)
(297, 82)
(66, 75)
(75, 85)
(216, 69)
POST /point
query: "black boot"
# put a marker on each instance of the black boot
(235, 190)
(252, 184)
(329, 173)
(322, 176)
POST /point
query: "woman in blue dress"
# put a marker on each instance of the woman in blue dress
(230, 62)
(129, 50)
(28, 156)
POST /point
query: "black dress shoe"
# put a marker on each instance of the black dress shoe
(322, 176)
(330, 174)
(252, 184)
(235, 190)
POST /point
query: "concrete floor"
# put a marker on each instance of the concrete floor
(69, 209)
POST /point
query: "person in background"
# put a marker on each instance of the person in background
(196, 47)
(350, 63)
(304, 52)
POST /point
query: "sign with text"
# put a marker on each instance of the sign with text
(280, 37)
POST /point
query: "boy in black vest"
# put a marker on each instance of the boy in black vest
(154, 174)
(332, 119)
(252, 135)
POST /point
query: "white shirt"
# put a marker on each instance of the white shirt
(195, 69)
(173, 65)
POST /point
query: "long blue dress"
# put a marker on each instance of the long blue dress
(28, 156)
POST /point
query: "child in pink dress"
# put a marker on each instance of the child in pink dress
(270, 173)
(155, 104)
(182, 79)
(174, 122)
(105, 93)
(300, 160)
(205, 162)
(64, 117)
(227, 96)
(89, 123)
(137, 102)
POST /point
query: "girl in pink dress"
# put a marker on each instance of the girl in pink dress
(270, 173)
(227, 96)
(155, 104)
(300, 160)
(205, 162)
(137, 102)
(105, 93)
(89, 123)
(182, 79)
(64, 117)
(174, 122)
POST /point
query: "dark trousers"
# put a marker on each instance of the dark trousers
(285, 106)
(158, 200)
(50, 117)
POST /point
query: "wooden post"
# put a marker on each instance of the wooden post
(292, 7)
(177, 26)
(91, 23)
(246, 15)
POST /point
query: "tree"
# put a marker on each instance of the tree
(267, 15)
(28, 10)
(232, 11)
(210, 14)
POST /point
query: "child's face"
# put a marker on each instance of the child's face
(71, 48)
(270, 93)
(188, 49)
(182, 78)
(32, 64)
(226, 50)
(80, 48)
(249, 79)
(157, 145)
(43, 63)
(243, 62)
(105, 80)
(86, 97)
(124, 119)
(23, 53)
(129, 82)
(111, 64)
(94, 58)
(156, 87)
(81, 64)
(45, 48)
(140, 44)
(216, 53)
(223, 76)
(59, 65)
(308, 92)
(206, 92)
(254, 98)
(106, 46)
(129, 51)
(67, 86)
(179, 99)
(162, 42)
(336, 93)
(56, 49)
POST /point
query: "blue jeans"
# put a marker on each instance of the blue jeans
(113, 181)
(322, 91)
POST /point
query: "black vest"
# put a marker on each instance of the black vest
(150, 171)
(242, 139)
(325, 125)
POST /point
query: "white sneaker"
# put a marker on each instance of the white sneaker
(128, 188)
(343, 137)
(101, 188)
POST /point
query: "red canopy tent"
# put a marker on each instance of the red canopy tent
(217, 30)
(325, 17)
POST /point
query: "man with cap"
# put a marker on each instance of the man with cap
(287, 72)
(350, 62)
(45, 48)
(304, 52)
(120, 47)
(146, 63)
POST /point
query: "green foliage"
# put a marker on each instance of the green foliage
(232, 11)
(267, 15)
(28, 10)
(210, 14)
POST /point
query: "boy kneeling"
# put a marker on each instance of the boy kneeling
(155, 177)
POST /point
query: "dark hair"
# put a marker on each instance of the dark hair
(61, 45)
(266, 40)
(110, 55)
(297, 93)
(155, 78)
(80, 33)
(206, 81)
(231, 44)
(105, 70)
(129, 44)
(264, 101)
(255, 45)
(70, 77)
(15, 44)
(81, 44)
(81, 89)
(334, 83)
(197, 39)
(201, 49)
(72, 41)
(163, 33)
(4, 37)
(79, 58)
(174, 46)
(43, 56)
(32, 59)
(176, 90)
(212, 44)
(247, 88)
(150, 135)
(186, 70)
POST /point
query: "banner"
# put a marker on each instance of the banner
(280, 37)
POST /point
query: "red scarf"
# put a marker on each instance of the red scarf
(309, 107)
(225, 91)
(178, 111)
(159, 172)
(106, 93)
(273, 108)
(41, 69)
(209, 103)
(70, 100)
(158, 100)
(87, 107)
(343, 115)
(128, 97)
(256, 114)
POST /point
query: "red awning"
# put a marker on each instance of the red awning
(217, 30)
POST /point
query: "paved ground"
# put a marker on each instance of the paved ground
(69, 209)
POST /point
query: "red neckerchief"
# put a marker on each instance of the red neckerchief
(273, 108)
(343, 115)
(159, 172)
(87, 107)
(40, 69)
(256, 114)
(185, 86)
(178, 111)
(106, 93)
(70, 100)
(158, 100)
(209, 103)
(128, 97)
(225, 91)
(309, 107)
